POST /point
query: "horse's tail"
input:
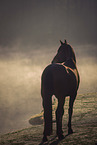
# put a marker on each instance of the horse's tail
(46, 92)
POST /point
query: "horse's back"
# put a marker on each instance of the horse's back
(58, 79)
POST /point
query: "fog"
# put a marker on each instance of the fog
(87, 66)
(20, 82)
(30, 31)
(20, 76)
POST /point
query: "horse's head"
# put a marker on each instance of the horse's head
(64, 53)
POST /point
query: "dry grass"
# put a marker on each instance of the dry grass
(84, 123)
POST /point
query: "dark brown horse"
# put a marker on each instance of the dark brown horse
(61, 79)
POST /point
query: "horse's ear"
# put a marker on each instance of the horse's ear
(61, 42)
(65, 41)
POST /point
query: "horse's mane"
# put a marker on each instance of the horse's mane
(70, 63)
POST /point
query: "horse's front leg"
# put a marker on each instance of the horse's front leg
(70, 111)
(59, 114)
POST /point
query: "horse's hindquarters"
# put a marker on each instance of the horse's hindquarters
(64, 81)
(57, 80)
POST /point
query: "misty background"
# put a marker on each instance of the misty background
(30, 31)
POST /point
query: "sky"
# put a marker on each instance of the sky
(30, 31)
(45, 22)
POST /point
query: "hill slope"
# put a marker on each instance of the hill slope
(84, 123)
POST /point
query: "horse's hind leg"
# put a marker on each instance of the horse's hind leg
(59, 114)
(70, 111)
(47, 105)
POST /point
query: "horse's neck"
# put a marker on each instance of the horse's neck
(70, 63)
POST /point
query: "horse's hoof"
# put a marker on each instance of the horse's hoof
(70, 131)
(60, 137)
(44, 139)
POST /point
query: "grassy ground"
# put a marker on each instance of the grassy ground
(84, 124)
